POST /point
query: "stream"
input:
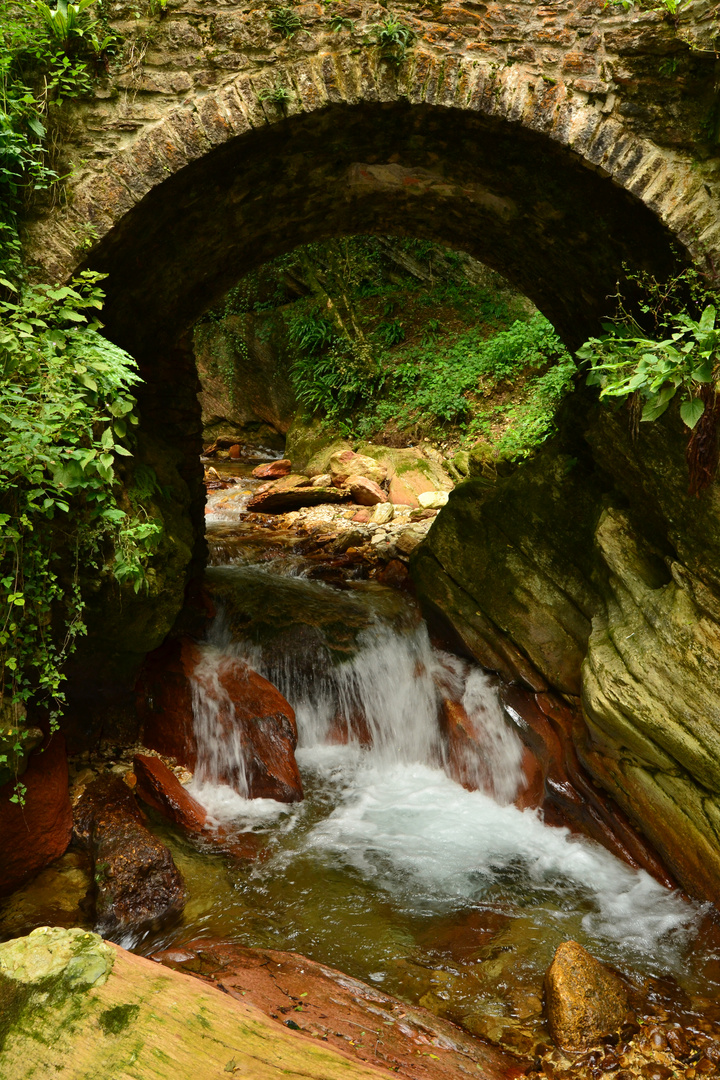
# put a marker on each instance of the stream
(390, 870)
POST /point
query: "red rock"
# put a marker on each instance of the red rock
(164, 700)
(269, 732)
(266, 720)
(273, 470)
(234, 451)
(395, 575)
(137, 882)
(362, 517)
(34, 835)
(158, 786)
(363, 491)
(400, 494)
(465, 759)
(401, 1039)
(345, 727)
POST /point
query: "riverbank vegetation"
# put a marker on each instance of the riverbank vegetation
(399, 340)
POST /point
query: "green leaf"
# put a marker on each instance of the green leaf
(707, 320)
(691, 411)
(106, 440)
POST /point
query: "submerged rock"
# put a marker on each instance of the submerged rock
(137, 882)
(584, 1000)
(34, 834)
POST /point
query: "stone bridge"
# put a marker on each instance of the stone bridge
(558, 143)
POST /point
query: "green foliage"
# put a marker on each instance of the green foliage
(47, 56)
(532, 420)
(64, 21)
(393, 38)
(285, 22)
(625, 362)
(278, 95)
(341, 22)
(335, 381)
(309, 333)
(67, 414)
(390, 333)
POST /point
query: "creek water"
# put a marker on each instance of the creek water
(389, 870)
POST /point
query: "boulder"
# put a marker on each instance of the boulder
(363, 491)
(346, 463)
(247, 704)
(291, 493)
(584, 1000)
(433, 500)
(273, 470)
(34, 834)
(77, 1006)
(400, 494)
(253, 707)
(158, 786)
(309, 445)
(137, 882)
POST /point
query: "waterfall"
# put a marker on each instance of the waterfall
(386, 698)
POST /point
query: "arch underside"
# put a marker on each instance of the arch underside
(559, 229)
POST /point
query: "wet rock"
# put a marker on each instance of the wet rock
(584, 1000)
(344, 1013)
(234, 451)
(465, 756)
(268, 731)
(395, 575)
(164, 700)
(158, 786)
(33, 835)
(246, 703)
(59, 895)
(137, 882)
(365, 492)
(273, 470)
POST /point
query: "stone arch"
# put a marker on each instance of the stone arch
(536, 181)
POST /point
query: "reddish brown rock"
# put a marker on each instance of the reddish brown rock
(465, 759)
(345, 728)
(33, 835)
(395, 575)
(584, 1000)
(269, 733)
(234, 451)
(345, 1013)
(273, 470)
(136, 879)
(164, 700)
(364, 492)
(400, 494)
(266, 720)
(158, 786)
(362, 517)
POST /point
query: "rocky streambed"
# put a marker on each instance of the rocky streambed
(338, 818)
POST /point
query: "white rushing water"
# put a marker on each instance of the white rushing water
(398, 819)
